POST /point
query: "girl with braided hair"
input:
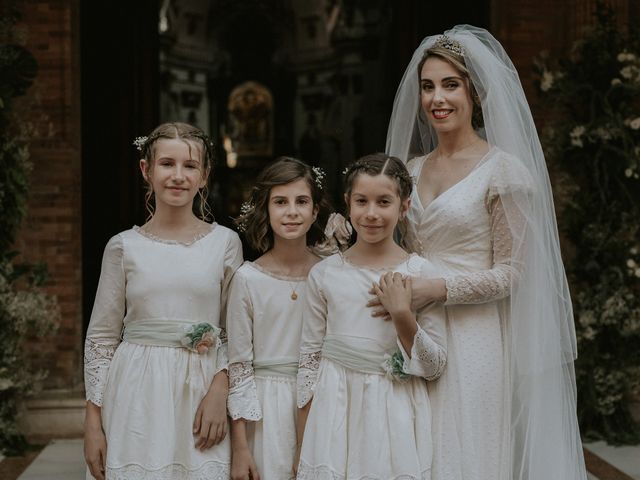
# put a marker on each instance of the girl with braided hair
(363, 405)
(155, 351)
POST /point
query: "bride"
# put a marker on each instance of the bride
(482, 210)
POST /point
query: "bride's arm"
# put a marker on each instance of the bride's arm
(478, 287)
(494, 283)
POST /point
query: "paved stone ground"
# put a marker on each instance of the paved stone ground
(63, 460)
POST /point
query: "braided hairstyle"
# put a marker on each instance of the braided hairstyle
(186, 133)
(383, 164)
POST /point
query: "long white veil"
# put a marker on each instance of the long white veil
(540, 334)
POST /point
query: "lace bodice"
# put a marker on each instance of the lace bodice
(465, 231)
(143, 279)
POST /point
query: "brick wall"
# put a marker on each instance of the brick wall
(527, 27)
(51, 231)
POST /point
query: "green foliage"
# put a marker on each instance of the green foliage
(594, 142)
(26, 313)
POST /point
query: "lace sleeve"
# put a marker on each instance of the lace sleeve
(429, 351)
(105, 326)
(243, 396)
(97, 358)
(494, 283)
(307, 377)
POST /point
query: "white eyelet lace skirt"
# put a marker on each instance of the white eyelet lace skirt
(149, 407)
(366, 426)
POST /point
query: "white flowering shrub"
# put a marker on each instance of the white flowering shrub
(593, 144)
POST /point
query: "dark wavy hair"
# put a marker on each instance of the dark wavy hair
(185, 132)
(383, 164)
(254, 219)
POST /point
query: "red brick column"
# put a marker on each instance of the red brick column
(51, 231)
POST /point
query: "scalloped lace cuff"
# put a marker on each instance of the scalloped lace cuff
(97, 358)
(427, 359)
(243, 395)
(307, 377)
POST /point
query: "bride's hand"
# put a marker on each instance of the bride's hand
(423, 292)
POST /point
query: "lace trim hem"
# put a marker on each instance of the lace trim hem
(324, 472)
(208, 471)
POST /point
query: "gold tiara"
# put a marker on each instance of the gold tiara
(450, 44)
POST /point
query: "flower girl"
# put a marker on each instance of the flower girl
(155, 362)
(364, 409)
(264, 316)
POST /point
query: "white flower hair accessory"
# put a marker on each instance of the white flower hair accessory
(245, 209)
(139, 142)
(318, 176)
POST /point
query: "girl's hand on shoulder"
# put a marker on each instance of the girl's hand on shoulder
(210, 424)
(394, 294)
(95, 449)
(243, 466)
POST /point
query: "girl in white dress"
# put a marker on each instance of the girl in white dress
(264, 317)
(155, 357)
(482, 213)
(364, 408)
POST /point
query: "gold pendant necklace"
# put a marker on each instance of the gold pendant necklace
(294, 295)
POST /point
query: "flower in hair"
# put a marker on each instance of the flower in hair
(319, 175)
(139, 142)
(450, 44)
(245, 209)
(345, 171)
